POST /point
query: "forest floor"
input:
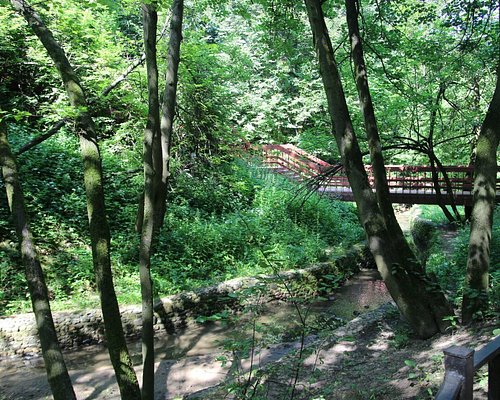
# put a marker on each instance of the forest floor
(374, 356)
(380, 361)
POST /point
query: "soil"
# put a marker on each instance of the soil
(374, 356)
(378, 359)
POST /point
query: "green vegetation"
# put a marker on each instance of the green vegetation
(217, 226)
(447, 256)
(248, 74)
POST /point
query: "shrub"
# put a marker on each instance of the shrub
(450, 266)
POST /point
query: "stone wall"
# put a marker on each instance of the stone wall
(18, 334)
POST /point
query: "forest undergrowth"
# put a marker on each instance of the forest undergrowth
(219, 222)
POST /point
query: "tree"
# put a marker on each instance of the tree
(475, 296)
(99, 229)
(156, 159)
(419, 299)
(371, 126)
(168, 106)
(152, 180)
(57, 373)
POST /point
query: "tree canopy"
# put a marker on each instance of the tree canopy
(207, 78)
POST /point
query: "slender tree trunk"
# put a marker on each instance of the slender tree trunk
(435, 161)
(370, 121)
(419, 300)
(99, 229)
(57, 373)
(168, 106)
(475, 297)
(152, 131)
(437, 187)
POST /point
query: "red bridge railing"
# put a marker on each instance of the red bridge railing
(407, 184)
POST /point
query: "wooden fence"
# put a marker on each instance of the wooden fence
(461, 363)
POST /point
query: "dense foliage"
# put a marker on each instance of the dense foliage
(446, 253)
(247, 73)
(220, 225)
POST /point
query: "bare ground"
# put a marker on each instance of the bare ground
(374, 359)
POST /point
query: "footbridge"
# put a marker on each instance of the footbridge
(408, 184)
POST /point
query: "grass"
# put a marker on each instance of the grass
(218, 225)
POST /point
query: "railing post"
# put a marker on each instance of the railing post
(460, 360)
(494, 379)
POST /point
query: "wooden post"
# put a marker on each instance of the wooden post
(494, 379)
(460, 360)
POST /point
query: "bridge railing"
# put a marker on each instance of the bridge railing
(420, 179)
(294, 159)
(402, 179)
(462, 363)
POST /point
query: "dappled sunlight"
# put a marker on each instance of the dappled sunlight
(382, 342)
(332, 355)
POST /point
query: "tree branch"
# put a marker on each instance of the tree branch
(133, 66)
(42, 138)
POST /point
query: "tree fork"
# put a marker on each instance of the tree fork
(406, 280)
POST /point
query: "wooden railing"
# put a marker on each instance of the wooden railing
(293, 158)
(415, 184)
(462, 363)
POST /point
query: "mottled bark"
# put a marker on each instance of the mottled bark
(475, 297)
(168, 106)
(152, 131)
(418, 299)
(99, 229)
(57, 373)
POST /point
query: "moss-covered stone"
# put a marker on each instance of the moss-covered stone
(74, 329)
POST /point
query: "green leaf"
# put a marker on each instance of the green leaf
(412, 376)
(410, 363)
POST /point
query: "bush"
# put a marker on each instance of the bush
(450, 266)
(221, 223)
(270, 226)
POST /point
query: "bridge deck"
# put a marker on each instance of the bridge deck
(402, 196)
(407, 184)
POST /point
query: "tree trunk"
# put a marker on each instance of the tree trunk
(370, 121)
(99, 229)
(168, 106)
(475, 297)
(57, 373)
(150, 22)
(435, 161)
(419, 299)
